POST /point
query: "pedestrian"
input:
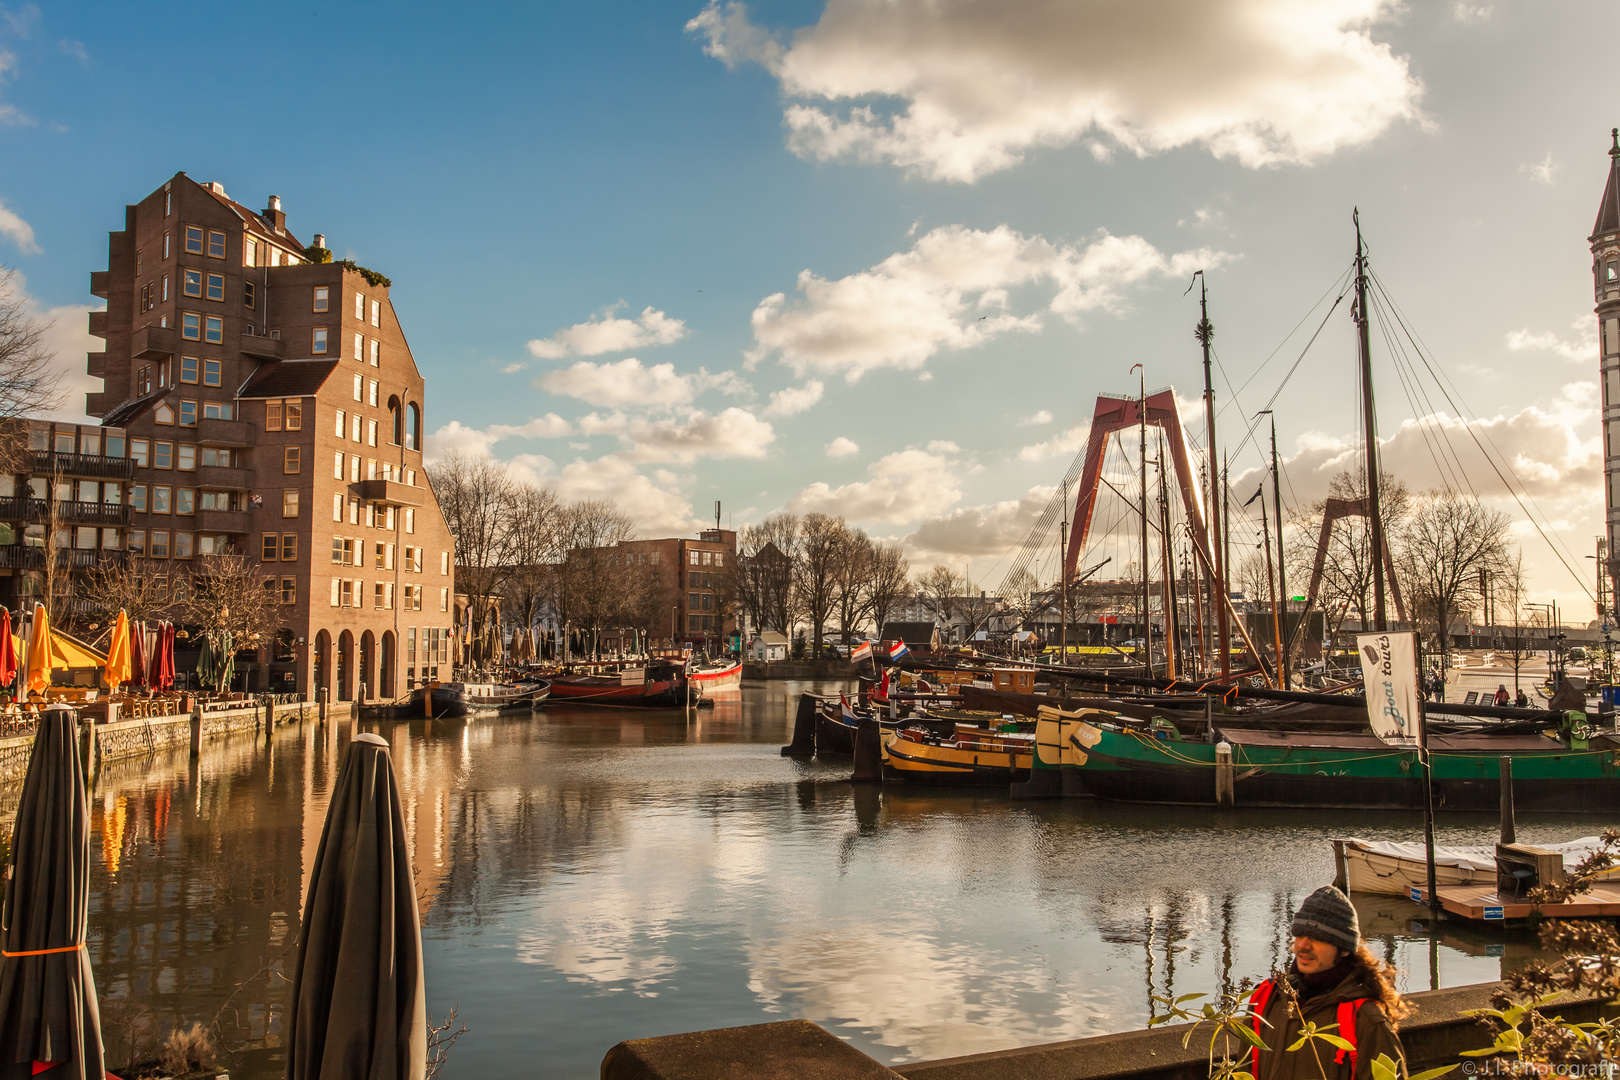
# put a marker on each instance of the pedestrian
(1521, 701)
(1501, 694)
(1334, 982)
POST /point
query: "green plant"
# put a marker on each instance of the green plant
(318, 254)
(371, 276)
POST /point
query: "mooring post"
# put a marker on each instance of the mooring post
(868, 752)
(1509, 833)
(196, 731)
(269, 717)
(321, 693)
(1225, 796)
(804, 729)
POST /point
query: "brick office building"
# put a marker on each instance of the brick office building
(265, 401)
(691, 572)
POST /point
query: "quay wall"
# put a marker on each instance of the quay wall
(1436, 1034)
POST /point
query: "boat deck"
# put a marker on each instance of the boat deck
(1485, 904)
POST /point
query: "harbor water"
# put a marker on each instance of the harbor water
(588, 876)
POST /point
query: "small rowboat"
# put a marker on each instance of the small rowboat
(1392, 868)
(725, 676)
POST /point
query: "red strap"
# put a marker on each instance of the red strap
(1347, 1031)
(1257, 1005)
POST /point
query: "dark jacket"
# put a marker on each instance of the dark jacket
(1374, 1035)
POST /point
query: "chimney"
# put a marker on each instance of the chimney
(273, 214)
(320, 239)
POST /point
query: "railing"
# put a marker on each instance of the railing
(19, 557)
(69, 512)
(49, 463)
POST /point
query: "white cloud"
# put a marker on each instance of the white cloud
(795, 400)
(658, 506)
(605, 333)
(971, 531)
(620, 384)
(75, 49)
(842, 447)
(1041, 417)
(956, 91)
(928, 299)
(1066, 443)
(19, 231)
(1465, 12)
(731, 433)
(513, 368)
(1584, 348)
(477, 442)
(728, 383)
(1543, 171)
(904, 487)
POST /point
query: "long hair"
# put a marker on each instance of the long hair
(1379, 977)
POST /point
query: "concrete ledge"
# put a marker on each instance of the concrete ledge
(788, 1048)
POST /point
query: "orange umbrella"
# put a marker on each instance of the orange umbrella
(39, 652)
(117, 669)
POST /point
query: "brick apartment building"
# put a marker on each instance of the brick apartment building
(257, 399)
(691, 572)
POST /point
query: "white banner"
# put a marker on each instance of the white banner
(1389, 674)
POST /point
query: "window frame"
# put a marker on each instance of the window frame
(289, 502)
(190, 368)
(191, 282)
(270, 547)
(220, 254)
(289, 547)
(318, 340)
(216, 283)
(191, 326)
(321, 299)
(272, 414)
(291, 460)
(195, 234)
(214, 329)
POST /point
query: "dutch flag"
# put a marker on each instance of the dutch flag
(863, 651)
(897, 650)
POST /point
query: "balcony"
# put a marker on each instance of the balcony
(389, 491)
(21, 557)
(95, 404)
(153, 342)
(98, 324)
(221, 477)
(215, 432)
(265, 348)
(223, 521)
(87, 558)
(23, 508)
(100, 283)
(47, 463)
(96, 365)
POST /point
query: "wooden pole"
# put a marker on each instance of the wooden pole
(1428, 778)
(1205, 332)
(1369, 423)
(1282, 569)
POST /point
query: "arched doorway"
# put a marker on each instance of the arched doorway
(385, 675)
(322, 663)
(368, 666)
(345, 666)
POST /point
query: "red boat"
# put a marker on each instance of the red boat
(721, 677)
(656, 686)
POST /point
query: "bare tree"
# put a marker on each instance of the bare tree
(760, 580)
(136, 586)
(534, 530)
(29, 383)
(852, 576)
(1513, 587)
(1347, 568)
(645, 595)
(940, 589)
(823, 540)
(588, 582)
(1447, 540)
(478, 497)
(889, 583)
(227, 597)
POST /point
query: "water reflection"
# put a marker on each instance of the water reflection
(588, 876)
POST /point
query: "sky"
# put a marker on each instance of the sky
(879, 257)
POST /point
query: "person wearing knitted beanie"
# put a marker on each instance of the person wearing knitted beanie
(1334, 979)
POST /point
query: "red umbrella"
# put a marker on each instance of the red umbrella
(8, 650)
(166, 658)
(137, 654)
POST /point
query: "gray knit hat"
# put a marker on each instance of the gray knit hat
(1327, 915)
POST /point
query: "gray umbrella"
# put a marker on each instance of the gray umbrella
(357, 1006)
(47, 994)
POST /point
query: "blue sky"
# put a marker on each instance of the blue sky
(995, 210)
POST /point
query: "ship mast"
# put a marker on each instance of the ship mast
(1369, 420)
(1205, 332)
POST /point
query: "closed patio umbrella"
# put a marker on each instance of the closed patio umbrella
(117, 668)
(207, 672)
(137, 654)
(39, 652)
(8, 650)
(48, 1008)
(357, 1006)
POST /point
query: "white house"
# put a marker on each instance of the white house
(768, 646)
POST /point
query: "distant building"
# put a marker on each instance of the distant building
(916, 635)
(767, 647)
(693, 574)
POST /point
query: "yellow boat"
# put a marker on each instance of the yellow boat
(968, 757)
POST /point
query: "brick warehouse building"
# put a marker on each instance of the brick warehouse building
(258, 399)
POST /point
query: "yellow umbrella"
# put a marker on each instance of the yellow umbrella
(116, 671)
(39, 652)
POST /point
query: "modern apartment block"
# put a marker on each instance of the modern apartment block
(261, 399)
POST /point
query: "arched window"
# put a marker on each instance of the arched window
(394, 421)
(413, 427)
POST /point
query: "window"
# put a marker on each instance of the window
(413, 423)
(162, 496)
(165, 235)
(354, 511)
(272, 415)
(719, 558)
(289, 590)
(339, 550)
(337, 465)
(379, 554)
(182, 545)
(268, 547)
(137, 541)
(692, 557)
(189, 366)
(382, 595)
(250, 253)
(163, 456)
(444, 599)
(115, 446)
(191, 326)
(165, 288)
(275, 256)
(163, 414)
(376, 313)
(290, 459)
(360, 307)
(359, 387)
(386, 520)
(111, 494)
(216, 244)
(289, 503)
(216, 410)
(371, 468)
(373, 352)
(371, 393)
(186, 458)
(160, 543)
(185, 500)
(410, 520)
(359, 346)
(354, 426)
(322, 297)
(393, 422)
(335, 584)
(295, 415)
(188, 414)
(371, 515)
(213, 456)
(1611, 272)
(318, 340)
(1611, 336)
(215, 500)
(413, 598)
(247, 294)
(211, 372)
(340, 423)
(194, 240)
(354, 469)
(216, 287)
(137, 498)
(191, 283)
(444, 563)
(371, 432)
(337, 507)
(214, 330)
(708, 558)
(289, 547)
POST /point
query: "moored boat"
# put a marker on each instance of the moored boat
(656, 686)
(1394, 869)
(505, 697)
(724, 676)
(967, 756)
(438, 700)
